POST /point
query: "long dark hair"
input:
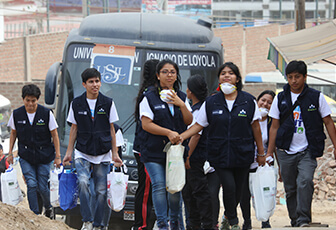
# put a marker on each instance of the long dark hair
(198, 86)
(270, 92)
(235, 70)
(148, 78)
(177, 84)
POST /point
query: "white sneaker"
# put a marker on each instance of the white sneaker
(97, 228)
(87, 226)
(155, 227)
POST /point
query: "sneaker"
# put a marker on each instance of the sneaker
(225, 225)
(97, 228)
(304, 225)
(235, 227)
(49, 213)
(265, 224)
(155, 227)
(87, 226)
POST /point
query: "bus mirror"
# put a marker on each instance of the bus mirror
(51, 81)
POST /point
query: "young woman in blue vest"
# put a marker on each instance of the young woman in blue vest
(264, 101)
(196, 194)
(232, 119)
(143, 196)
(36, 129)
(298, 114)
(163, 118)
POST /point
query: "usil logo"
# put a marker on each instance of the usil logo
(111, 73)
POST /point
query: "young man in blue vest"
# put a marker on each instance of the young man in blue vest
(36, 129)
(297, 131)
(91, 116)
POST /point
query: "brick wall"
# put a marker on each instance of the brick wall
(12, 90)
(246, 47)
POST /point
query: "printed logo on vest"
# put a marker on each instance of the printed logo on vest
(311, 108)
(283, 102)
(40, 122)
(22, 122)
(216, 112)
(160, 106)
(242, 113)
(101, 111)
(82, 112)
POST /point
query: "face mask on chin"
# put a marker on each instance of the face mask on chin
(263, 112)
(227, 88)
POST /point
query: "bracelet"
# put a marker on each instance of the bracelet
(11, 154)
(261, 155)
(57, 157)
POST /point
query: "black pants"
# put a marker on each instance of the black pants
(143, 197)
(197, 198)
(214, 186)
(245, 201)
(232, 180)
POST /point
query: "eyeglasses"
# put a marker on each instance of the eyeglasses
(166, 72)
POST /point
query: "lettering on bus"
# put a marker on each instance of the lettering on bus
(187, 60)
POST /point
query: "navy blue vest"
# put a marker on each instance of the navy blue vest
(35, 145)
(200, 152)
(230, 137)
(93, 136)
(309, 105)
(140, 134)
(152, 149)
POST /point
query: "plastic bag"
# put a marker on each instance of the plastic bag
(54, 186)
(68, 189)
(117, 183)
(263, 188)
(10, 189)
(175, 169)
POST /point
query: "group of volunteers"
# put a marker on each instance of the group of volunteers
(226, 136)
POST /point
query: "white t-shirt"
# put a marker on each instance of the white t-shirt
(299, 141)
(107, 157)
(202, 118)
(264, 137)
(52, 121)
(145, 109)
(195, 114)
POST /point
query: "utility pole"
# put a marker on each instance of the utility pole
(334, 8)
(48, 18)
(300, 18)
(118, 5)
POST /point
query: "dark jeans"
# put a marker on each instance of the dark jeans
(297, 172)
(143, 197)
(197, 198)
(232, 180)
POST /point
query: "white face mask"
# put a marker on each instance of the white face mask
(227, 88)
(164, 95)
(263, 112)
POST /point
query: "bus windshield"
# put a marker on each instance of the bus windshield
(123, 94)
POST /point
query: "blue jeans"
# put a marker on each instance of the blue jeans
(36, 177)
(99, 177)
(157, 174)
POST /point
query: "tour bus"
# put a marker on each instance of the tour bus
(118, 44)
(5, 112)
